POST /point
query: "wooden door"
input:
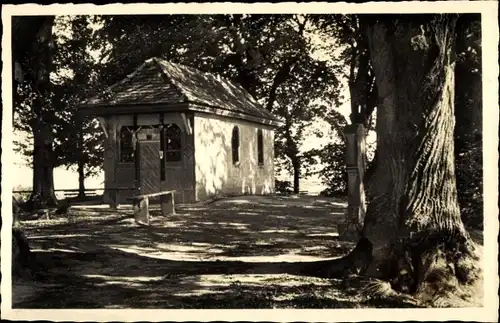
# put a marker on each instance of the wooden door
(149, 166)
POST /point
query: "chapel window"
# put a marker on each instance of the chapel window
(126, 145)
(260, 147)
(173, 147)
(235, 145)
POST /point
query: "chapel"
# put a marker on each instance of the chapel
(173, 127)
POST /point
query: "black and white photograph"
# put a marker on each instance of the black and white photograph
(294, 159)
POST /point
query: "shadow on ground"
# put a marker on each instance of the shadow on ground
(222, 255)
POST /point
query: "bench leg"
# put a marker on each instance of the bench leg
(113, 199)
(141, 211)
(167, 204)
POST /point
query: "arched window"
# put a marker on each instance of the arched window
(235, 145)
(173, 152)
(260, 147)
(126, 145)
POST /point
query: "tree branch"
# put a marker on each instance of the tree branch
(279, 78)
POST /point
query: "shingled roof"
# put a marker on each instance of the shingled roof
(162, 82)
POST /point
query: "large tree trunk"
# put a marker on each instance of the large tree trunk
(43, 169)
(413, 220)
(40, 60)
(31, 43)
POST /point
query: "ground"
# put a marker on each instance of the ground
(213, 255)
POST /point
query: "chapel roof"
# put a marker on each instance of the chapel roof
(161, 82)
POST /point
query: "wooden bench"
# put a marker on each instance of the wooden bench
(141, 205)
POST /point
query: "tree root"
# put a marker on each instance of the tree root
(450, 278)
(353, 263)
(383, 289)
(22, 258)
(438, 268)
(444, 274)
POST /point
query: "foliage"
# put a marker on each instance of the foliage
(32, 96)
(78, 138)
(470, 184)
(348, 34)
(282, 187)
(21, 197)
(331, 158)
(23, 144)
(334, 173)
(468, 116)
(313, 82)
(30, 53)
(347, 38)
(271, 56)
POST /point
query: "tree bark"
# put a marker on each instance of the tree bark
(413, 220)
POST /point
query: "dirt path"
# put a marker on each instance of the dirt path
(205, 256)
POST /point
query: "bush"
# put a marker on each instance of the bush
(332, 192)
(333, 174)
(22, 197)
(469, 173)
(283, 187)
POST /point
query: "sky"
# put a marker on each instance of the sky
(68, 179)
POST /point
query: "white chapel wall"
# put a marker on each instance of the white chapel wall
(214, 170)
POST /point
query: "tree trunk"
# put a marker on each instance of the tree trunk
(81, 180)
(292, 152)
(296, 175)
(413, 220)
(43, 167)
(81, 167)
(23, 262)
(369, 180)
